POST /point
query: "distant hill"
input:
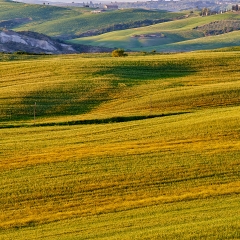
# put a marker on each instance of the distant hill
(195, 33)
(71, 22)
(141, 29)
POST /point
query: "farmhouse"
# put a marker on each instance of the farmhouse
(111, 7)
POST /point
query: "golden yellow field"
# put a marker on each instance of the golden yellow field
(171, 174)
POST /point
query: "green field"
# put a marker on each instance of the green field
(69, 21)
(179, 32)
(141, 147)
(179, 36)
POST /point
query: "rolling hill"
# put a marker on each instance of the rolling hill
(142, 147)
(195, 33)
(66, 22)
(168, 32)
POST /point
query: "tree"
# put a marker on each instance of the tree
(235, 7)
(205, 12)
(119, 53)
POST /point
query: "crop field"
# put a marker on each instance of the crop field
(178, 36)
(140, 147)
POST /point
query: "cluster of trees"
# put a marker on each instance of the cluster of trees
(219, 27)
(207, 12)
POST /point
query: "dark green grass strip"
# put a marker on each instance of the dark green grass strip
(94, 121)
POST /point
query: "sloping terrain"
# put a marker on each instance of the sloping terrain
(66, 22)
(9, 24)
(179, 35)
(170, 32)
(91, 84)
(106, 21)
(10, 11)
(172, 174)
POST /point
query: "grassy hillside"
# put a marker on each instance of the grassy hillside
(169, 177)
(77, 84)
(38, 13)
(178, 35)
(62, 21)
(88, 21)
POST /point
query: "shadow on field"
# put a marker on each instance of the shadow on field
(82, 96)
(62, 100)
(97, 121)
(136, 73)
(63, 104)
